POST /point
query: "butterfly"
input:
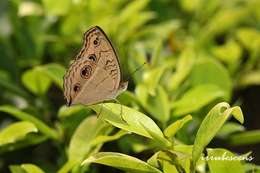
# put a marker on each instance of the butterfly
(95, 75)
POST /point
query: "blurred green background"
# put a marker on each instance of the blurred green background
(198, 53)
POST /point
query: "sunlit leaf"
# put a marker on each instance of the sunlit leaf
(121, 161)
(196, 98)
(130, 120)
(223, 166)
(30, 168)
(173, 128)
(209, 71)
(211, 124)
(87, 131)
(34, 81)
(16, 131)
(41, 126)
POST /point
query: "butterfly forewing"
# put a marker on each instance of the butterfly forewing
(95, 74)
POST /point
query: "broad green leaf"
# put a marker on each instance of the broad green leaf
(121, 161)
(58, 7)
(66, 111)
(28, 8)
(190, 5)
(249, 37)
(229, 53)
(196, 98)
(7, 83)
(80, 143)
(226, 165)
(152, 77)
(222, 21)
(249, 78)
(55, 72)
(209, 71)
(39, 78)
(141, 93)
(67, 166)
(30, 168)
(158, 105)
(229, 128)
(130, 120)
(16, 169)
(211, 124)
(35, 81)
(153, 160)
(131, 9)
(41, 126)
(183, 68)
(103, 138)
(245, 138)
(29, 140)
(174, 161)
(16, 131)
(172, 129)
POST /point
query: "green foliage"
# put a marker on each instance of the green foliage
(199, 54)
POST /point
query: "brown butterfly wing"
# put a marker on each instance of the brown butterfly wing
(95, 74)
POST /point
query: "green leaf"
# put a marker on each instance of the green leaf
(130, 120)
(34, 81)
(65, 111)
(222, 21)
(55, 72)
(223, 166)
(249, 78)
(152, 77)
(229, 128)
(211, 124)
(103, 138)
(249, 37)
(7, 83)
(58, 7)
(16, 169)
(172, 129)
(80, 143)
(16, 131)
(30, 168)
(121, 161)
(29, 140)
(245, 138)
(229, 53)
(183, 68)
(209, 71)
(196, 98)
(41, 126)
(159, 105)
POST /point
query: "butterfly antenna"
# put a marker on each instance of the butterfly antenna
(137, 69)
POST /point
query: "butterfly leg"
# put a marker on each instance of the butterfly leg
(121, 111)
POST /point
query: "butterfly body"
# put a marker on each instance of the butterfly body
(95, 75)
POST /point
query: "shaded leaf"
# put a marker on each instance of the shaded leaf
(41, 126)
(245, 138)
